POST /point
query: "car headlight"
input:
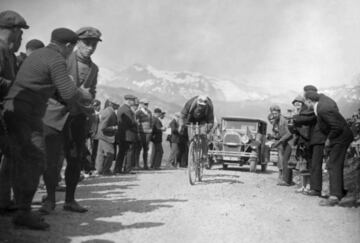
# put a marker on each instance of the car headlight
(244, 139)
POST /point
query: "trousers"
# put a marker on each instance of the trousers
(105, 157)
(26, 159)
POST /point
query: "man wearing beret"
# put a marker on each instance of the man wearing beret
(144, 117)
(67, 127)
(11, 25)
(41, 76)
(126, 135)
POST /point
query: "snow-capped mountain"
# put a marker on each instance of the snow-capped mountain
(234, 97)
(178, 86)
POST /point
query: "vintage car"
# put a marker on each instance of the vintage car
(241, 141)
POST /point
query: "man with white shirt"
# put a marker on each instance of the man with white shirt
(339, 137)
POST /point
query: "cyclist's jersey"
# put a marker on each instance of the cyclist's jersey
(194, 113)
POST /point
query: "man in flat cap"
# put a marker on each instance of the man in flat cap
(71, 124)
(280, 127)
(42, 75)
(144, 117)
(126, 135)
(11, 25)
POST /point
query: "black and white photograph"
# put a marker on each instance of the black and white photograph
(187, 121)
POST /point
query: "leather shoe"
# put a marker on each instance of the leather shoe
(312, 193)
(329, 202)
(47, 207)
(30, 220)
(74, 207)
(348, 201)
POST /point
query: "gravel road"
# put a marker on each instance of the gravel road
(160, 206)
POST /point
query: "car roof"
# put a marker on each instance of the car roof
(237, 118)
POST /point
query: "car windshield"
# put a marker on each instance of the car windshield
(240, 125)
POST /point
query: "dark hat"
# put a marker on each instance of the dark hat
(129, 97)
(275, 108)
(312, 95)
(64, 35)
(34, 44)
(89, 33)
(310, 88)
(11, 19)
(157, 110)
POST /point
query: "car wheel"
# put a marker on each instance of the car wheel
(225, 166)
(252, 165)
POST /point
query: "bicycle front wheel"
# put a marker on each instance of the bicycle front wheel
(192, 163)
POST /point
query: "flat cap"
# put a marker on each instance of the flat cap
(89, 33)
(64, 35)
(34, 44)
(129, 97)
(144, 101)
(275, 108)
(11, 19)
(310, 88)
(157, 110)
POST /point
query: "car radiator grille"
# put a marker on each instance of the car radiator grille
(231, 138)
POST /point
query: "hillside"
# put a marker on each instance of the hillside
(170, 90)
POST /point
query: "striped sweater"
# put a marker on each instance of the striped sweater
(41, 74)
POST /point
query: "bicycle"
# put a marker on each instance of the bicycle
(196, 162)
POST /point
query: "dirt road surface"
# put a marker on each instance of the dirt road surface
(161, 206)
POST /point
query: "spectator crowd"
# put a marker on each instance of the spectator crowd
(314, 133)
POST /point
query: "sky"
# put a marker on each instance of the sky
(274, 44)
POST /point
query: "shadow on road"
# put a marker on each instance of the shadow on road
(269, 170)
(106, 200)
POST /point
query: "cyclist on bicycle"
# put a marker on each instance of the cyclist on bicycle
(198, 109)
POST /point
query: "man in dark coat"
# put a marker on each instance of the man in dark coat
(157, 133)
(339, 137)
(11, 25)
(106, 135)
(66, 127)
(126, 135)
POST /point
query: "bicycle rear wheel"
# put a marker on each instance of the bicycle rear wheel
(192, 164)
